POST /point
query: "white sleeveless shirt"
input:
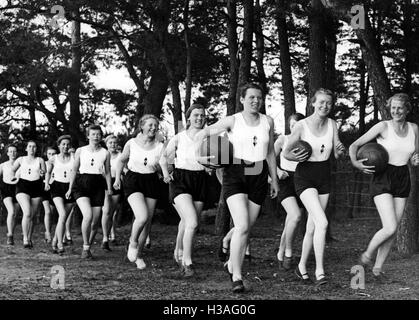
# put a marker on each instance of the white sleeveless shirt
(285, 163)
(400, 149)
(322, 146)
(250, 143)
(142, 160)
(7, 172)
(113, 164)
(92, 162)
(62, 170)
(185, 154)
(30, 171)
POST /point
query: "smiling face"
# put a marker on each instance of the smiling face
(150, 127)
(111, 145)
(398, 110)
(323, 104)
(64, 146)
(12, 152)
(31, 148)
(252, 101)
(197, 118)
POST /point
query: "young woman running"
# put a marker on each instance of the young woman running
(187, 188)
(111, 205)
(141, 183)
(29, 189)
(59, 169)
(68, 240)
(245, 182)
(8, 191)
(88, 188)
(389, 189)
(312, 177)
(47, 201)
(287, 196)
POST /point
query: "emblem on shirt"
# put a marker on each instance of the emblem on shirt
(322, 148)
(145, 161)
(255, 141)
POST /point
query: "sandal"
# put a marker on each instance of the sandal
(304, 277)
(323, 280)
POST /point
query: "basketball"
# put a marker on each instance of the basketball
(219, 147)
(376, 154)
(302, 145)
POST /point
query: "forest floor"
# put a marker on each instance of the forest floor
(26, 274)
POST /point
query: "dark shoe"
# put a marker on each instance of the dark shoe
(287, 263)
(48, 240)
(304, 277)
(280, 264)
(323, 280)
(113, 242)
(248, 257)
(238, 286)
(105, 246)
(61, 251)
(188, 271)
(27, 246)
(177, 261)
(226, 270)
(10, 241)
(148, 245)
(379, 277)
(31, 244)
(86, 254)
(67, 241)
(221, 254)
(54, 249)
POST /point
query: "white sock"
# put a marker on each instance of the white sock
(86, 247)
(140, 264)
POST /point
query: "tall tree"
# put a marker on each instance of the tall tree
(285, 58)
(260, 53)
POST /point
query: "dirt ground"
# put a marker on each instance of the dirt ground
(26, 274)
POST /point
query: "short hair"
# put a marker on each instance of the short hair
(188, 113)
(94, 127)
(29, 141)
(322, 91)
(251, 85)
(146, 117)
(295, 116)
(404, 97)
(63, 137)
(11, 145)
(109, 137)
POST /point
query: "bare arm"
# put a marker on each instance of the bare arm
(76, 166)
(108, 172)
(415, 158)
(371, 134)
(295, 154)
(120, 164)
(338, 147)
(167, 157)
(271, 160)
(50, 167)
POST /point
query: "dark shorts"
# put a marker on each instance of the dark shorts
(145, 183)
(59, 189)
(114, 191)
(8, 191)
(46, 195)
(312, 175)
(248, 179)
(189, 182)
(394, 180)
(92, 186)
(287, 189)
(32, 188)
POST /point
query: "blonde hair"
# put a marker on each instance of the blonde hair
(404, 97)
(322, 91)
(144, 118)
(111, 136)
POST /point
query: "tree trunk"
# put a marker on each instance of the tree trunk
(232, 51)
(330, 50)
(246, 50)
(188, 80)
(74, 88)
(407, 41)
(285, 58)
(407, 235)
(363, 96)
(317, 51)
(376, 71)
(32, 123)
(157, 91)
(260, 53)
